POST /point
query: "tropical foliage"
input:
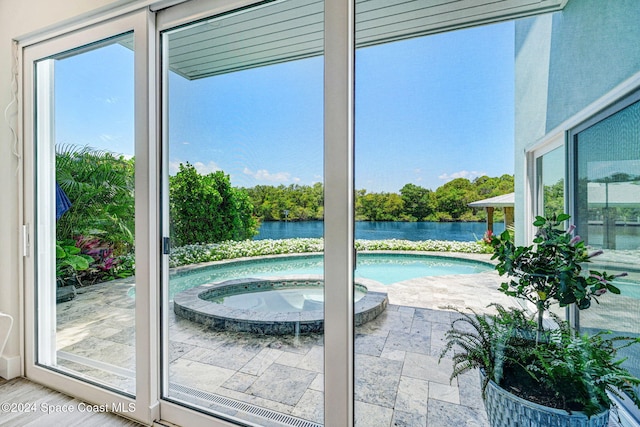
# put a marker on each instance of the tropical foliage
(69, 261)
(210, 219)
(550, 270)
(96, 235)
(100, 186)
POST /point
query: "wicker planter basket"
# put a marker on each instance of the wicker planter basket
(507, 410)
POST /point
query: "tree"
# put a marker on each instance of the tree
(414, 203)
(292, 203)
(453, 197)
(206, 209)
(379, 206)
(553, 198)
(418, 202)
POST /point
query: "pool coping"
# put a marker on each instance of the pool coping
(190, 305)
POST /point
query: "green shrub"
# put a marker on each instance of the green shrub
(206, 209)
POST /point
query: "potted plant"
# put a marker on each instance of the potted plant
(535, 369)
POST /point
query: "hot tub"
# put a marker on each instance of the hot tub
(270, 305)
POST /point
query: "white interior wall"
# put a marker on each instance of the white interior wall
(18, 18)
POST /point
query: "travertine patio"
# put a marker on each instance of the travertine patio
(398, 379)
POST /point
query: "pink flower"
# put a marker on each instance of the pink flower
(599, 292)
(596, 253)
(570, 229)
(575, 240)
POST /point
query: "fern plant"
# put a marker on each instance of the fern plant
(565, 370)
(488, 342)
(580, 369)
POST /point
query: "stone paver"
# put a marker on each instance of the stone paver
(398, 378)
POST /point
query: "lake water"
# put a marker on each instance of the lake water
(456, 231)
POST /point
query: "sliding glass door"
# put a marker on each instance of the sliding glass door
(606, 178)
(243, 292)
(85, 212)
(87, 228)
(85, 225)
(205, 274)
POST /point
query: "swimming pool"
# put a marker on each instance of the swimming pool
(386, 268)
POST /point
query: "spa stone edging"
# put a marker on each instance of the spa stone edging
(190, 305)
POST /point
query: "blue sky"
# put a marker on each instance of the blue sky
(428, 110)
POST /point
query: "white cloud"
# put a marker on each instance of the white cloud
(470, 175)
(105, 137)
(203, 169)
(265, 175)
(174, 167)
(108, 100)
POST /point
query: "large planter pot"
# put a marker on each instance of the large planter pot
(507, 410)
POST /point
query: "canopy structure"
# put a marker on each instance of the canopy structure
(294, 29)
(505, 201)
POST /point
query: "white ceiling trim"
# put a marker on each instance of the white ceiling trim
(286, 30)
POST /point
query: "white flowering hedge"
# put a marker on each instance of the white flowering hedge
(197, 253)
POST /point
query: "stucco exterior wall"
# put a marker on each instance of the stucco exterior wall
(564, 62)
(17, 18)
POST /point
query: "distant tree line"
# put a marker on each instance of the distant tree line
(448, 202)
(205, 208)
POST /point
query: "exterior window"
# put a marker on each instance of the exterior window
(550, 171)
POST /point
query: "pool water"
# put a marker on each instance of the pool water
(281, 300)
(384, 268)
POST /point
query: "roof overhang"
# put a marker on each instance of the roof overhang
(503, 201)
(286, 30)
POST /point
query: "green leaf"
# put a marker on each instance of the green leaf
(78, 262)
(540, 221)
(60, 252)
(563, 217)
(613, 289)
(72, 250)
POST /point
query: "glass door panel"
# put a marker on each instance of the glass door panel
(431, 137)
(85, 213)
(607, 200)
(243, 275)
